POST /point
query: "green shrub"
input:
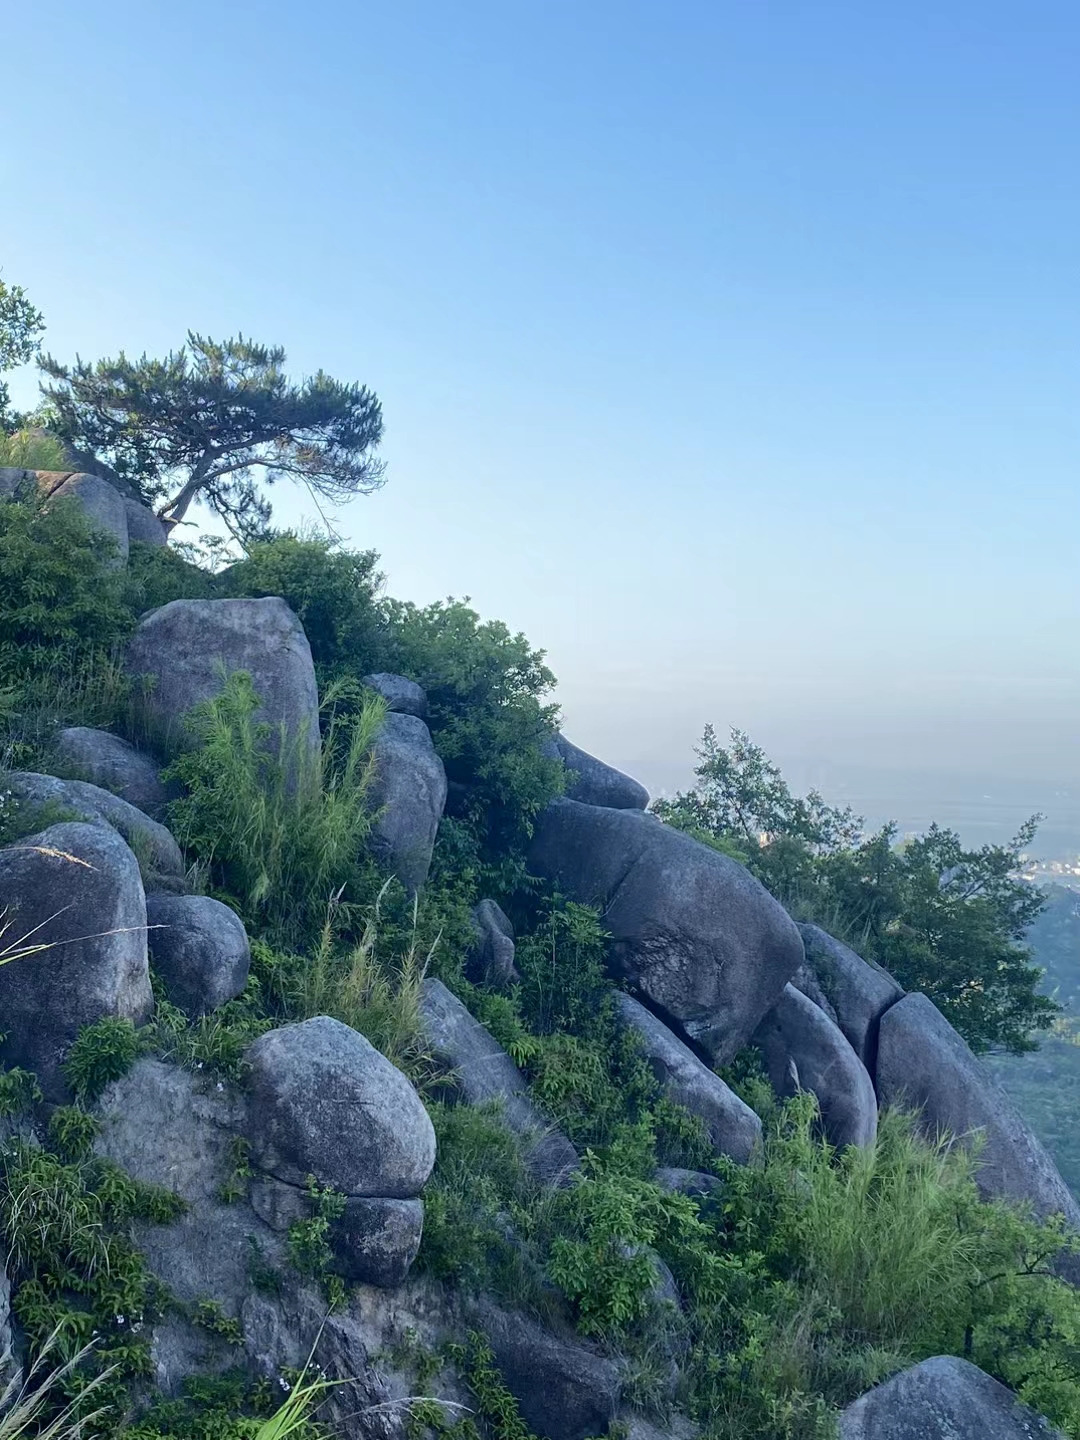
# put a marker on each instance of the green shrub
(32, 450)
(101, 1053)
(334, 592)
(282, 826)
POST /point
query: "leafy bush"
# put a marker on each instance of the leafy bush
(334, 593)
(282, 826)
(32, 450)
(100, 1054)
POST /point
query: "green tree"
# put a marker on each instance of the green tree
(945, 920)
(199, 422)
(21, 328)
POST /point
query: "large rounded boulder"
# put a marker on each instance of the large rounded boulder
(324, 1102)
(703, 941)
(182, 652)
(857, 991)
(112, 764)
(74, 917)
(200, 949)
(593, 781)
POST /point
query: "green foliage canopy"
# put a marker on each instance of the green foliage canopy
(21, 328)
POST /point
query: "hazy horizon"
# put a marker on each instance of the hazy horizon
(728, 352)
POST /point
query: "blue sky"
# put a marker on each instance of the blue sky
(729, 350)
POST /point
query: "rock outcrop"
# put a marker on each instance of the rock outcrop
(732, 1126)
(324, 1102)
(75, 891)
(481, 1071)
(182, 651)
(409, 794)
(692, 931)
(943, 1399)
(858, 992)
(491, 959)
(923, 1064)
(112, 764)
(103, 506)
(403, 696)
(200, 949)
(804, 1050)
(593, 782)
(157, 851)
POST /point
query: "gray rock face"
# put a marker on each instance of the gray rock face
(693, 931)
(483, 1071)
(492, 958)
(564, 1390)
(804, 1050)
(375, 1240)
(103, 506)
(858, 991)
(925, 1065)
(183, 647)
(75, 888)
(805, 980)
(592, 782)
(324, 1102)
(698, 1184)
(403, 696)
(15, 482)
(733, 1127)
(143, 526)
(200, 949)
(156, 850)
(112, 764)
(942, 1399)
(166, 1129)
(409, 793)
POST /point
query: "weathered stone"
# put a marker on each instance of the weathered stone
(324, 1102)
(923, 1064)
(103, 506)
(409, 794)
(805, 980)
(733, 1127)
(15, 483)
(112, 764)
(492, 957)
(592, 782)
(184, 649)
(404, 696)
(564, 1389)
(75, 890)
(804, 1050)
(693, 931)
(943, 1399)
(165, 1128)
(858, 991)
(154, 847)
(375, 1240)
(698, 1184)
(482, 1071)
(200, 949)
(143, 526)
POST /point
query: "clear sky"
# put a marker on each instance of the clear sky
(728, 349)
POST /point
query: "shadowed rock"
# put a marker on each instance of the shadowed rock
(403, 696)
(593, 782)
(804, 1050)
(733, 1127)
(408, 793)
(75, 890)
(492, 957)
(112, 764)
(482, 1071)
(200, 949)
(692, 931)
(858, 992)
